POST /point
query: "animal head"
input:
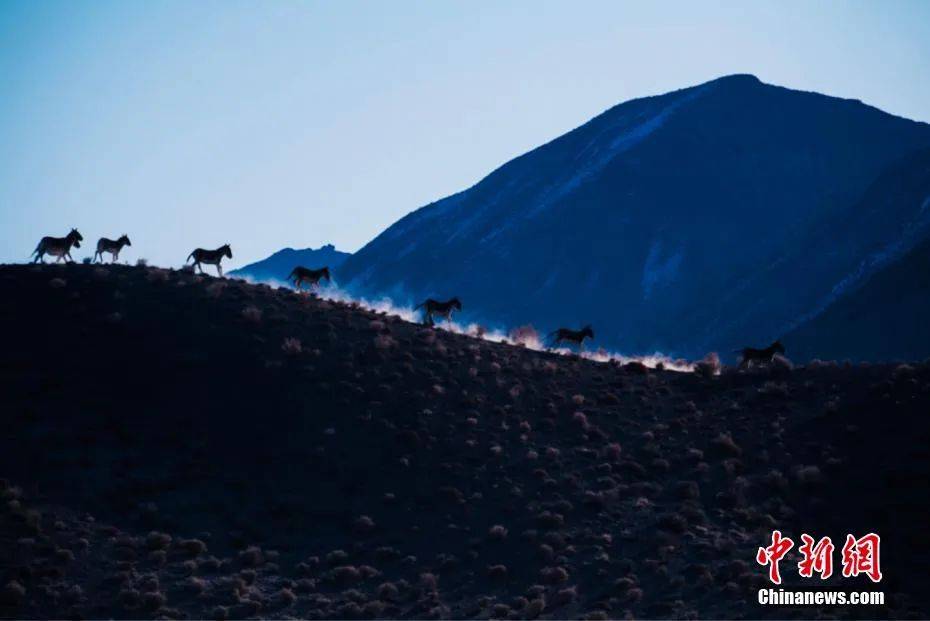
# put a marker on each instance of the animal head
(588, 332)
(125, 240)
(455, 302)
(76, 238)
(226, 250)
(777, 347)
(324, 273)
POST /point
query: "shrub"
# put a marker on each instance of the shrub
(525, 335)
(144, 263)
(429, 581)
(497, 532)
(554, 575)
(291, 346)
(252, 556)
(497, 572)
(709, 366)
(215, 289)
(157, 541)
(252, 314)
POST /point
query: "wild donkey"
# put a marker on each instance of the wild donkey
(443, 309)
(751, 355)
(302, 274)
(210, 257)
(576, 337)
(59, 247)
(113, 247)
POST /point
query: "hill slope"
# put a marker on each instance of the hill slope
(177, 445)
(660, 220)
(278, 266)
(885, 319)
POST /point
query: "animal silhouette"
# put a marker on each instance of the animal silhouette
(210, 257)
(59, 247)
(577, 337)
(300, 275)
(442, 309)
(111, 246)
(751, 355)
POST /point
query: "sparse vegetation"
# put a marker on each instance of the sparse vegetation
(438, 476)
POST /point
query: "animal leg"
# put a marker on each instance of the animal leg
(115, 257)
(219, 269)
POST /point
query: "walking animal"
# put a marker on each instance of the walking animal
(302, 274)
(576, 337)
(442, 309)
(113, 247)
(751, 355)
(210, 257)
(59, 247)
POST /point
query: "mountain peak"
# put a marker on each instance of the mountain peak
(738, 78)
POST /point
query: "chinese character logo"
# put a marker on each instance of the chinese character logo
(816, 558)
(860, 556)
(773, 554)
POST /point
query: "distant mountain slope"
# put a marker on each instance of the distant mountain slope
(280, 264)
(683, 222)
(887, 318)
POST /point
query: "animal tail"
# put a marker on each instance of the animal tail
(419, 306)
(36, 251)
(189, 257)
(291, 275)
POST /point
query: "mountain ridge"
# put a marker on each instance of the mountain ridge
(278, 265)
(623, 176)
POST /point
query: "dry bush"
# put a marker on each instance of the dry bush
(497, 572)
(384, 342)
(709, 366)
(57, 283)
(215, 289)
(142, 262)
(252, 314)
(156, 275)
(291, 346)
(524, 335)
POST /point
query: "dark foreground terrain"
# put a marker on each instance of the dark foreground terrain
(180, 446)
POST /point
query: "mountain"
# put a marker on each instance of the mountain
(279, 265)
(258, 453)
(708, 218)
(884, 319)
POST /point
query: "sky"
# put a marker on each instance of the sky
(284, 123)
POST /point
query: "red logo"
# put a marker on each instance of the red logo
(817, 558)
(773, 554)
(860, 556)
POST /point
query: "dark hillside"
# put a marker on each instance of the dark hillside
(182, 446)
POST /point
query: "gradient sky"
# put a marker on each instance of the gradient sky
(272, 124)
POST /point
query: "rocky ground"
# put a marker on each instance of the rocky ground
(186, 447)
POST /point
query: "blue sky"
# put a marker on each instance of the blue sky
(272, 124)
